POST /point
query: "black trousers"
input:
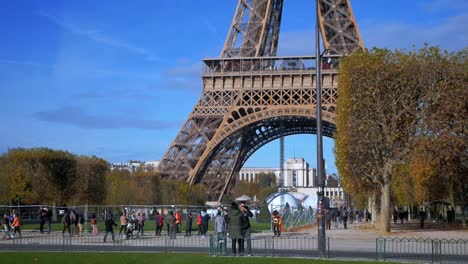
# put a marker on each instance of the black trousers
(240, 242)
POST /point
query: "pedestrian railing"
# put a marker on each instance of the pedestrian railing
(424, 249)
(304, 246)
(258, 245)
(56, 241)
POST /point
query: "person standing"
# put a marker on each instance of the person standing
(235, 229)
(199, 223)
(109, 223)
(247, 232)
(158, 221)
(188, 225)
(220, 232)
(344, 216)
(422, 218)
(328, 218)
(337, 218)
(178, 217)
(205, 219)
(42, 217)
(93, 222)
(80, 221)
(171, 222)
(276, 223)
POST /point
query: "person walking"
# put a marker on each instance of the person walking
(235, 229)
(123, 223)
(16, 225)
(109, 223)
(6, 227)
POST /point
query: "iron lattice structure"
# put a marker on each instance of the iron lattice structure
(251, 97)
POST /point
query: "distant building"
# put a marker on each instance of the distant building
(296, 173)
(135, 165)
(301, 181)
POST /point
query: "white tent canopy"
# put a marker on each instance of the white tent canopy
(243, 198)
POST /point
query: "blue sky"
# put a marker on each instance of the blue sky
(117, 79)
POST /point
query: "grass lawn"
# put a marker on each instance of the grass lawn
(143, 258)
(149, 226)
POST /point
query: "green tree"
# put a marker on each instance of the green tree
(266, 180)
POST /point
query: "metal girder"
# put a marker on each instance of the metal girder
(340, 33)
(254, 29)
(250, 97)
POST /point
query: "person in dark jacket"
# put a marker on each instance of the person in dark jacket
(188, 225)
(109, 223)
(246, 214)
(205, 219)
(235, 229)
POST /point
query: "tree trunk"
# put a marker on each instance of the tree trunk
(375, 200)
(385, 208)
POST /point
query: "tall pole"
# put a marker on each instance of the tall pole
(322, 245)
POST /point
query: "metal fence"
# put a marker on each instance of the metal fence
(267, 246)
(424, 249)
(260, 245)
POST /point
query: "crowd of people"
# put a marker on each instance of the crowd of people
(11, 225)
(343, 215)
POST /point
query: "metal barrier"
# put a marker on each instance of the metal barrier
(425, 249)
(217, 246)
(58, 241)
(266, 246)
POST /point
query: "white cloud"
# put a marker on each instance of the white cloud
(448, 34)
(99, 37)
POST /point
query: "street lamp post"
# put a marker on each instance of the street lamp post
(322, 246)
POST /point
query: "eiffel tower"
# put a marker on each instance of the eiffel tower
(251, 97)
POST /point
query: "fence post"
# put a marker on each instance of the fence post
(432, 251)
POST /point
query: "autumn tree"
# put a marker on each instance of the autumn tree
(381, 110)
(118, 189)
(90, 186)
(147, 187)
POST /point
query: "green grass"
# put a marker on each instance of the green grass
(143, 258)
(149, 226)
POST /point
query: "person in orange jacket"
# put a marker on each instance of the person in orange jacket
(16, 225)
(178, 218)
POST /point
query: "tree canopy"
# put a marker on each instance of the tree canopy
(390, 105)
